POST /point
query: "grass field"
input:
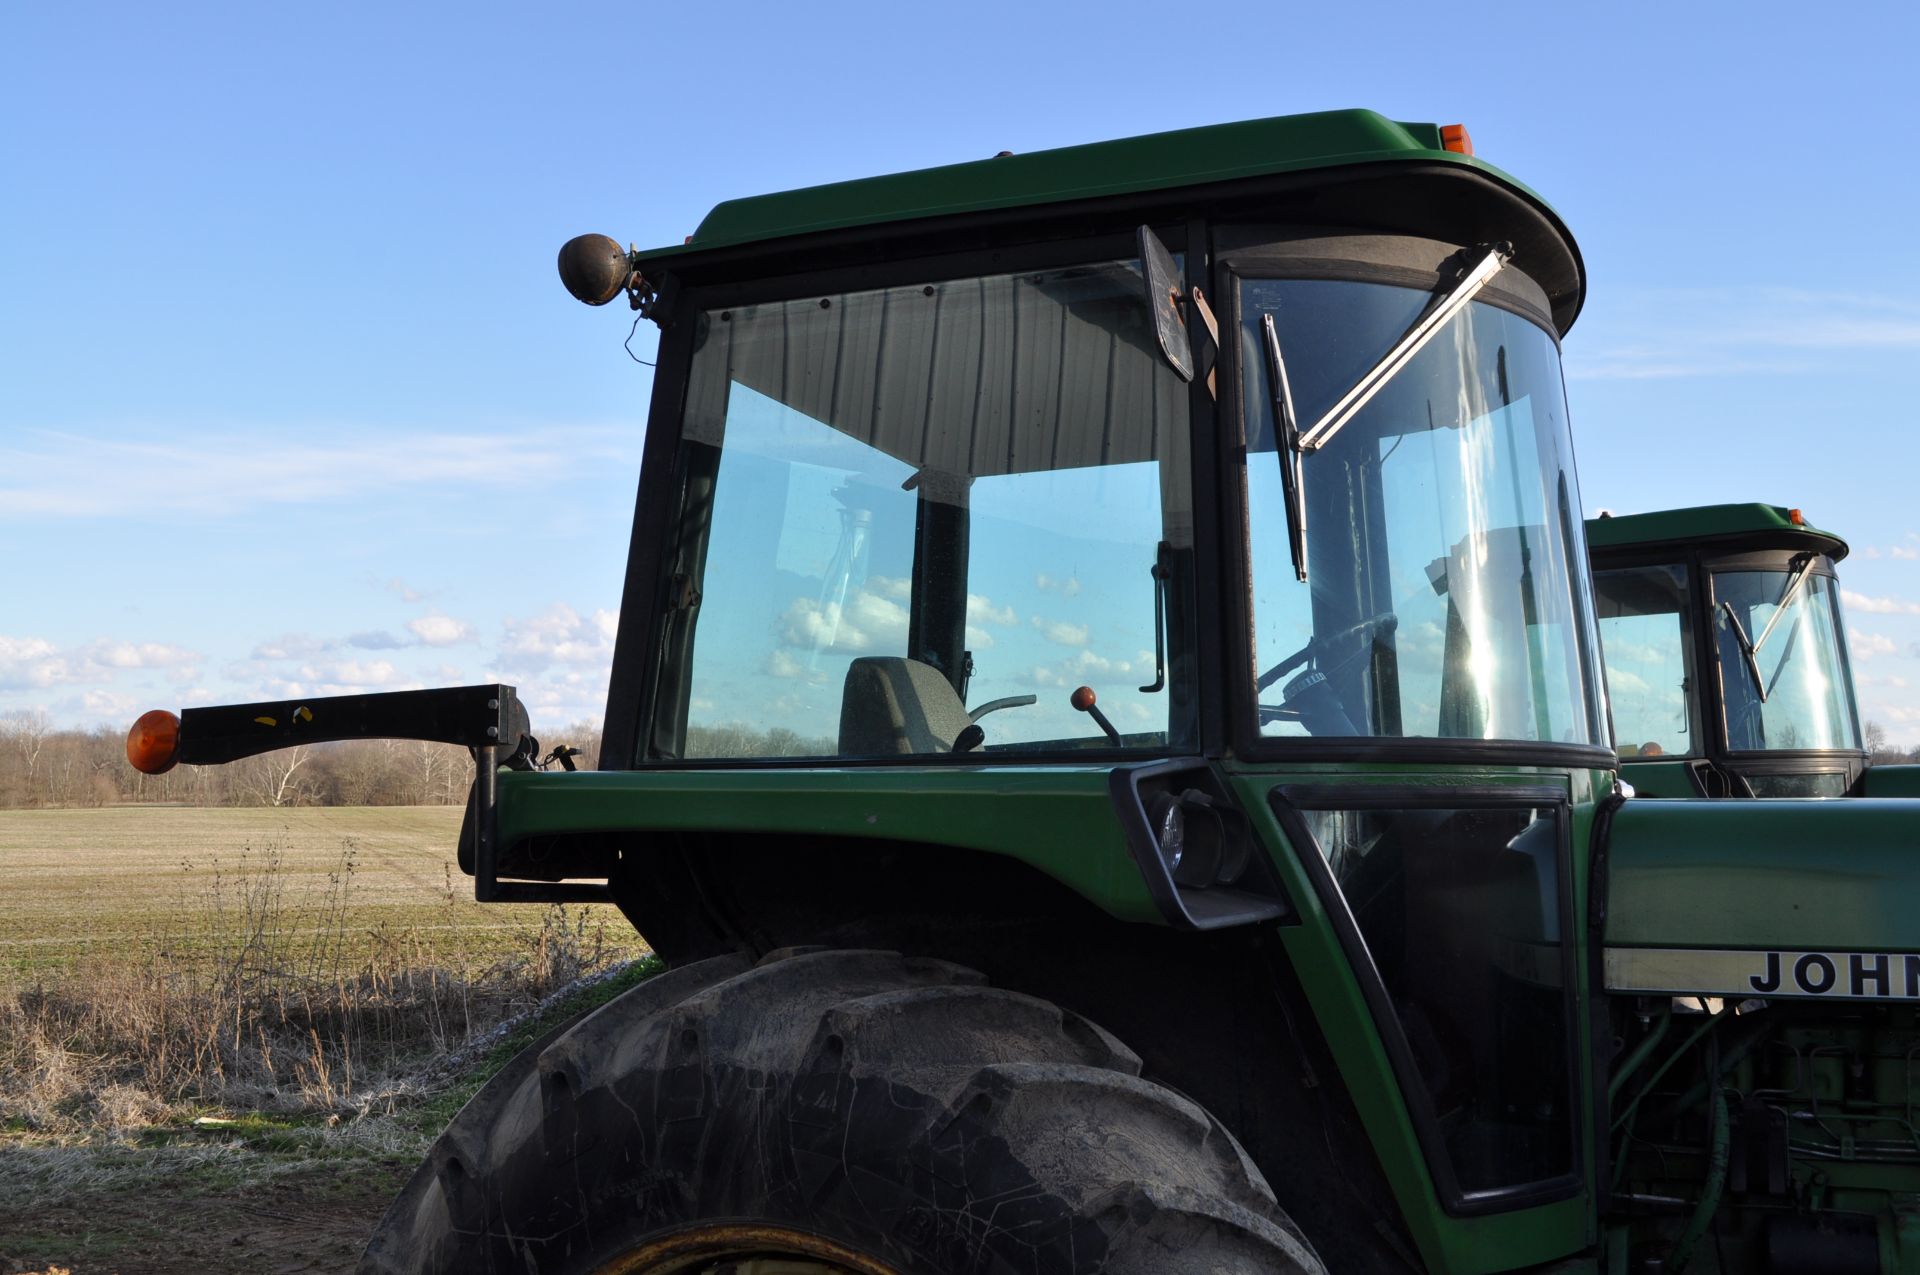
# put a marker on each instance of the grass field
(227, 1035)
(92, 882)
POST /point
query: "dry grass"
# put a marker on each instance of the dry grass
(96, 881)
(269, 1024)
(270, 994)
(267, 980)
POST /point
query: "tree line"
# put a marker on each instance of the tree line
(44, 766)
(41, 765)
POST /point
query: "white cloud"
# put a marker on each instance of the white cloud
(440, 630)
(982, 611)
(866, 622)
(1069, 587)
(33, 662)
(291, 646)
(1878, 606)
(1681, 332)
(1089, 667)
(1867, 645)
(374, 640)
(559, 635)
(378, 674)
(783, 664)
(407, 592)
(1909, 552)
(1061, 632)
(127, 655)
(110, 705)
(56, 475)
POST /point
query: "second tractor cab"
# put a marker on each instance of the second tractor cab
(1726, 665)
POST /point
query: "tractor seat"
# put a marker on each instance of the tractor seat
(893, 706)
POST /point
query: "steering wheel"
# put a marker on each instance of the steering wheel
(1309, 698)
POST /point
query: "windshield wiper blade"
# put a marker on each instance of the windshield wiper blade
(1411, 343)
(1287, 447)
(1747, 650)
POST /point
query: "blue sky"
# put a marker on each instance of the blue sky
(291, 401)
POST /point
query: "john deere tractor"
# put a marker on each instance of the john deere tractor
(1107, 731)
(1726, 656)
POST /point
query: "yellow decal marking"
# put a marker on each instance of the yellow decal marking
(266, 721)
(301, 714)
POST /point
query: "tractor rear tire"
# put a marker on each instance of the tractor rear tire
(834, 1113)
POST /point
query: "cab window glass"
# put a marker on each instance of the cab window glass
(1644, 638)
(916, 519)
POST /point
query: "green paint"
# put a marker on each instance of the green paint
(1058, 819)
(1496, 1242)
(1061, 820)
(1774, 874)
(1764, 524)
(1159, 161)
(1891, 781)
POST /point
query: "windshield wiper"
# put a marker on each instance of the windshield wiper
(1291, 442)
(1287, 447)
(1746, 650)
(1415, 339)
(1751, 649)
(1798, 578)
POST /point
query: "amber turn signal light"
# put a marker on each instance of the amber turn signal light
(153, 745)
(1797, 518)
(1454, 137)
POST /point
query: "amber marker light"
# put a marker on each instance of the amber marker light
(1454, 137)
(1797, 518)
(153, 745)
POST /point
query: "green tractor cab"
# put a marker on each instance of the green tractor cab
(1106, 730)
(1726, 660)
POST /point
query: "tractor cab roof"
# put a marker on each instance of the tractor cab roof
(1723, 527)
(1352, 169)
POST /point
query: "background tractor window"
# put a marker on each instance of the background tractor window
(1807, 701)
(1649, 654)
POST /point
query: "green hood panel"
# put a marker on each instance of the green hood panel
(1770, 874)
(1059, 819)
(1891, 781)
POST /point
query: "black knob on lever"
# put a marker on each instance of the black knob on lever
(1085, 700)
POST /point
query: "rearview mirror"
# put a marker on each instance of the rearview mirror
(1163, 301)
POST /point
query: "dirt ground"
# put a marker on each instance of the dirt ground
(309, 1222)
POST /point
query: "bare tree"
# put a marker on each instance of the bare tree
(274, 779)
(25, 731)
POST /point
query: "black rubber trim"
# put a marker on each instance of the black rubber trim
(632, 689)
(1456, 752)
(1287, 801)
(1599, 1019)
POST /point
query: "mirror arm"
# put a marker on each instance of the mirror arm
(1786, 599)
(1411, 343)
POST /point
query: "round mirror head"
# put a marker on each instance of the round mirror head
(594, 268)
